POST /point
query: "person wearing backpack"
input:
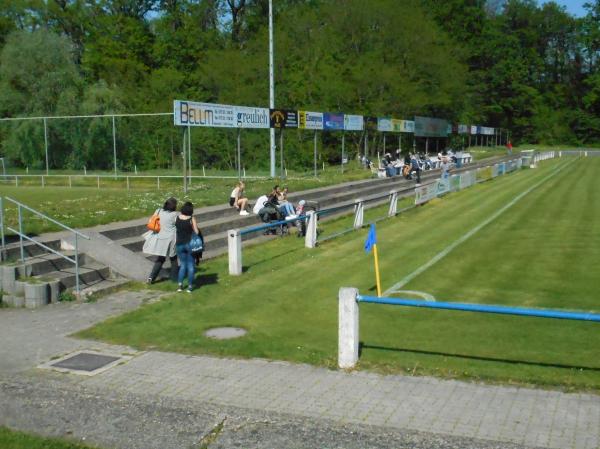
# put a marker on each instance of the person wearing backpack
(187, 227)
(162, 243)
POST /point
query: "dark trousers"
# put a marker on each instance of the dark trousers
(160, 260)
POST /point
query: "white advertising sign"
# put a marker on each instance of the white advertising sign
(353, 122)
(473, 129)
(246, 117)
(425, 193)
(191, 113)
(384, 124)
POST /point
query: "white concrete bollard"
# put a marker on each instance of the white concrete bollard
(359, 213)
(393, 204)
(310, 239)
(234, 243)
(348, 328)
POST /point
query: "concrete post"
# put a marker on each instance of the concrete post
(359, 212)
(36, 295)
(310, 239)
(393, 204)
(234, 243)
(348, 328)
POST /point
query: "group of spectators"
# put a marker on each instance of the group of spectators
(173, 240)
(413, 164)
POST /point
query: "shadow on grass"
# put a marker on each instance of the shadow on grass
(246, 268)
(206, 279)
(362, 346)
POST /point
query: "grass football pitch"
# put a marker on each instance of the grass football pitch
(535, 244)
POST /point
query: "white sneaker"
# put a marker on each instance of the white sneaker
(244, 213)
(292, 217)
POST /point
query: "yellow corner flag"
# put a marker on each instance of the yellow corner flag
(371, 242)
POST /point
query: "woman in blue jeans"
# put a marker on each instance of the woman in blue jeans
(185, 225)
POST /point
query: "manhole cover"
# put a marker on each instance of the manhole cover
(85, 362)
(224, 333)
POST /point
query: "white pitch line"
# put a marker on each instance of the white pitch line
(439, 256)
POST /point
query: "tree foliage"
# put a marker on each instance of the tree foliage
(505, 63)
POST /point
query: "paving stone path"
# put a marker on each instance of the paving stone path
(202, 401)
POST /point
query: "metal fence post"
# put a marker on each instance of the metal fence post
(70, 182)
(16, 181)
(359, 212)
(393, 204)
(43, 182)
(234, 244)
(310, 238)
(2, 228)
(46, 144)
(127, 182)
(21, 233)
(77, 266)
(348, 329)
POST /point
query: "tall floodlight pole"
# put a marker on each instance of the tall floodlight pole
(271, 87)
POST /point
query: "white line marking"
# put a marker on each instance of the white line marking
(426, 296)
(439, 256)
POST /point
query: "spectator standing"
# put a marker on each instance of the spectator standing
(186, 225)
(162, 243)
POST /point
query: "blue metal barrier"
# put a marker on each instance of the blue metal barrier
(483, 308)
(274, 224)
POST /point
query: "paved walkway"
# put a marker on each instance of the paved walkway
(520, 416)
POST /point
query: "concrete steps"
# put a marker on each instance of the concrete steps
(42, 268)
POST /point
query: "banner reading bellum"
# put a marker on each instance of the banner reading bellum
(191, 113)
(430, 127)
(283, 118)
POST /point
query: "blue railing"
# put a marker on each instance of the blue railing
(483, 308)
(274, 224)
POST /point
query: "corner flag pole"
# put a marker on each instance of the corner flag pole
(377, 270)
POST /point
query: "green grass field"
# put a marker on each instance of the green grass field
(11, 439)
(84, 205)
(541, 252)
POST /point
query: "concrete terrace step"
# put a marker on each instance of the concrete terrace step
(91, 274)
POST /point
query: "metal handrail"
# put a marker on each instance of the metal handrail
(22, 235)
(46, 217)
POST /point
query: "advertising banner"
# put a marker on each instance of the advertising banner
(384, 124)
(463, 129)
(473, 129)
(484, 174)
(310, 120)
(449, 129)
(353, 122)
(425, 193)
(333, 122)
(454, 183)
(430, 127)
(371, 123)
(409, 126)
(191, 113)
(487, 131)
(501, 168)
(442, 186)
(283, 118)
(246, 117)
(467, 179)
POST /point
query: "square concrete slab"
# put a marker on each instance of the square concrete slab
(87, 363)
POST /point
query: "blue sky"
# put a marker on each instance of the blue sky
(574, 7)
